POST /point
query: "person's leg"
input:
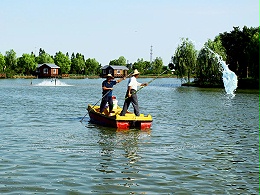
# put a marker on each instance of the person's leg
(135, 104)
(103, 104)
(110, 103)
(126, 105)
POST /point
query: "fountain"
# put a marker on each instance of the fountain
(52, 82)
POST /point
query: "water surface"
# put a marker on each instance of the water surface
(201, 142)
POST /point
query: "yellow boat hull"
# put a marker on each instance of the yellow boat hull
(120, 122)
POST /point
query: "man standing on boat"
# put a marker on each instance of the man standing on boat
(107, 87)
(131, 96)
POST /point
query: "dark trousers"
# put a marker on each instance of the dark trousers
(104, 102)
(133, 99)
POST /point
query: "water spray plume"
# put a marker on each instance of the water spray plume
(229, 77)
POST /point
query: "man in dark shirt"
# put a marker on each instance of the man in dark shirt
(107, 87)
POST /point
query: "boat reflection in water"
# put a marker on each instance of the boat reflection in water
(119, 158)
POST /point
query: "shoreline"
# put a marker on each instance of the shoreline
(242, 83)
(83, 77)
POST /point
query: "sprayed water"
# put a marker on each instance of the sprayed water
(229, 77)
(53, 82)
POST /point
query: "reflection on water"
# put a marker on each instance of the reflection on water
(119, 152)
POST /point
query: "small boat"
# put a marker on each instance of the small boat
(119, 122)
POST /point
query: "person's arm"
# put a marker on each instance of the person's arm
(106, 88)
(129, 87)
(119, 80)
(141, 84)
(129, 91)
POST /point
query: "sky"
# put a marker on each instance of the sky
(108, 29)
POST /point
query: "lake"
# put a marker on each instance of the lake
(202, 141)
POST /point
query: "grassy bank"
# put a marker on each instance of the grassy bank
(242, 84)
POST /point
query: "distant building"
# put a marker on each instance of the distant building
(116, 71)
(47, 70)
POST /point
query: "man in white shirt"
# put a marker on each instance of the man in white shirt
(131, 96)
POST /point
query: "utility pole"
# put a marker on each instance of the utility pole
(151, 54)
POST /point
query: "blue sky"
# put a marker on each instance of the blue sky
(108, 29)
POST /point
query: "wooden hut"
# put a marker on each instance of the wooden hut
(115, 71)
(47, 70)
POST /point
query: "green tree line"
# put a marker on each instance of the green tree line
(74, 64)
(27, 63)
(145, 67)
(239, 48)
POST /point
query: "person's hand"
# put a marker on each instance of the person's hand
(145, 84)
(129, 95)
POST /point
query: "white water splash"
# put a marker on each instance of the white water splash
(229, 77)
(53, 82)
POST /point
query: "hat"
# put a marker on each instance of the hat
(136, 72)
(110, 75)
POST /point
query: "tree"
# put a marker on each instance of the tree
(121, 61)
(44, 57)
(77, 63)
(157, 65)
(142, 66)
(208, 69)
(242, 50)
(185, 59)
(11, 60)
(254, 57)
(63, 62)
(92, 67)
(26, 64)
(2, 63)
